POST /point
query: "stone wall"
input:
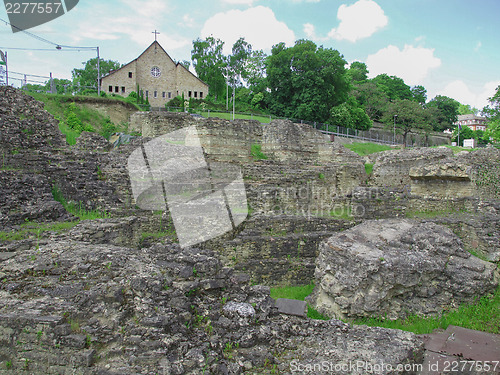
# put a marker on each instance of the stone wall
(392, 168)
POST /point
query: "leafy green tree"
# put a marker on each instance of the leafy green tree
(210, 64)
(419, 94)
(448, 109)
(466, 109)
(238, 59)
(86, 78)
(358, 71)
(394, 87)
(492, 111)
(306, 81)
(255, 71)
(350, 115)
(372, 98)
(411, 117)
(465, 133)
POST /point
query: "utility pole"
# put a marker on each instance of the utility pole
(394, 135)
(98, 74)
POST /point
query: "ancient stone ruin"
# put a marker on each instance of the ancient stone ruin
(118, 295)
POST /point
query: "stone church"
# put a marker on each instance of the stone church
(158, 77)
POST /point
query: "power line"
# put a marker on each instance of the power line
(44, 49)
(58, 46)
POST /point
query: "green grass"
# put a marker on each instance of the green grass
(71, 135)
(342, 212)
(257, 153)
(368, 168)
(63, 107)
(76, 209)
(32, 229)
(484, 315)
(299, 293)
(229, 116)
(367, 148)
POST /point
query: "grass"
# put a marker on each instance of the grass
(368, 148)
(257, 153)
(299, 293)
(31, 229)
(342, 212)
(60, 106)
(229, 116)
(484, 315)
(368, 168)
(76, 209)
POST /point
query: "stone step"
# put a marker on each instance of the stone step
(461, 351)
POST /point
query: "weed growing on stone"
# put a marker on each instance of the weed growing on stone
(257, 153)
(77, 209)
(368, 168)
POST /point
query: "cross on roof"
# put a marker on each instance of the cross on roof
(156, 33)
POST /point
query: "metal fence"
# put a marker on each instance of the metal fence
(340, 131)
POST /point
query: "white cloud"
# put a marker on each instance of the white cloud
(310, 31)
(412, 63)
(240, 2)
(358, 21)
(261, 34)
(187, 20)
(477, 98)
(129, 20)
(478, 46)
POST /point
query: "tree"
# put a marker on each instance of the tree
(350, 115)
(255, 71)
(210, 64)
(306, 81)
(492, 111)
(466, 109)
(394, 87)
(411, 117)
(419, 94)
(237, 61)
(358, 71)
(448, 109)
(86, 78)
(465, 133)
(372, 98)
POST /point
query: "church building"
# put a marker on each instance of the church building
(158, 77)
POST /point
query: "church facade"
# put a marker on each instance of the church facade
(158, 77)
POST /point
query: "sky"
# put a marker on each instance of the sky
(451, 47)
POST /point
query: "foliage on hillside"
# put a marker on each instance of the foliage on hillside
(74, 117)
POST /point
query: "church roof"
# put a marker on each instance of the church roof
(156, 44)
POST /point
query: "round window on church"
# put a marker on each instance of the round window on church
(155, 71)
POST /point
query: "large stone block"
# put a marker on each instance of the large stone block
(394, 268)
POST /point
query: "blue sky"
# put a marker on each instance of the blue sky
(451, 47)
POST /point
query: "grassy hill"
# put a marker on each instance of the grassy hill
(76, 114)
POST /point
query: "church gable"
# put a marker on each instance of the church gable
(159, 78)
